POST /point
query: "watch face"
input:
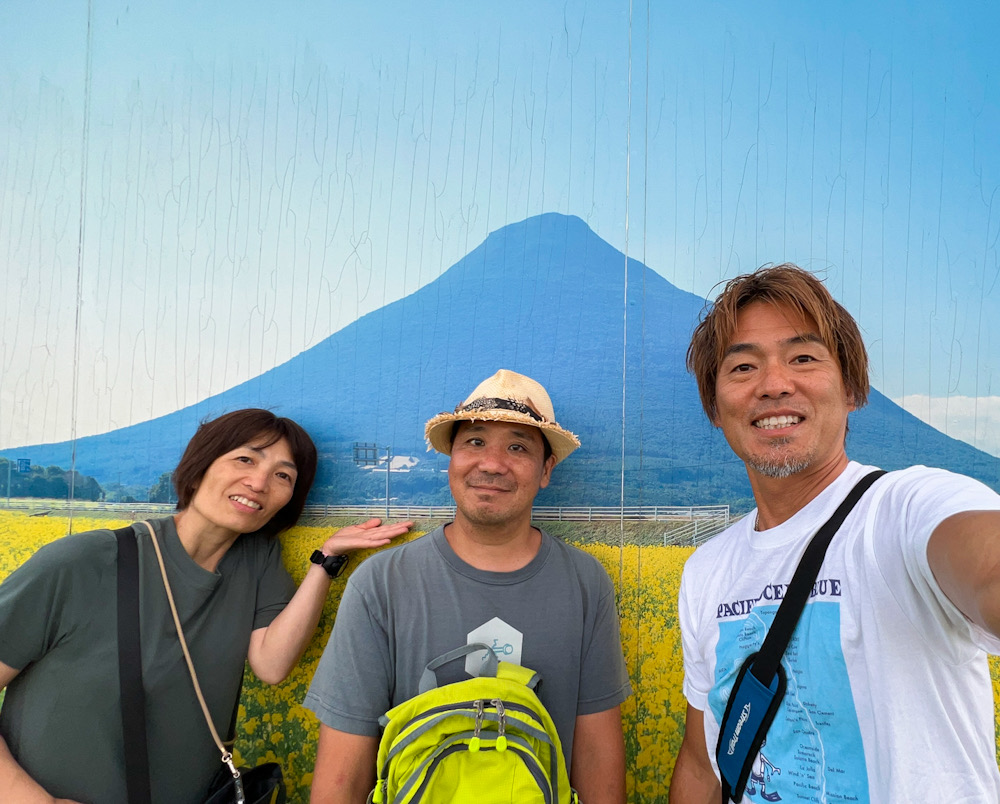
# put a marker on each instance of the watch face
(334, 565)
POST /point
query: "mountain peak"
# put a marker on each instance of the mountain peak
(545, 297)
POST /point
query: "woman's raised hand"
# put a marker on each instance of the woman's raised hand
(364, 536)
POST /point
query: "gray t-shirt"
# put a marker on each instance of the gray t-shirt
(61, 716)
(406, 606)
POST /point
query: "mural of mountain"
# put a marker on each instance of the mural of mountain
(545, 297)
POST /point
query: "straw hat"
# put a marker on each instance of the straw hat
(504, 397)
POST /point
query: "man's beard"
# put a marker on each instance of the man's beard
(486, 518)
(780, 466)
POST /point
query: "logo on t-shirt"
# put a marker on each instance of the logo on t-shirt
(814, 748)
(505, 640)
(823, 589)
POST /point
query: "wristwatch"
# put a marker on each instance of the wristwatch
(334, 565)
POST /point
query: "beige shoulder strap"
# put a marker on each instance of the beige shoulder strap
(227, 757)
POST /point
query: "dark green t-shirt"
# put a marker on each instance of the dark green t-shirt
(61, 716)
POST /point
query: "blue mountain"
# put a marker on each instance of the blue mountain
(545, 297)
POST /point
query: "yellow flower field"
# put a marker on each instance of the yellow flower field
(274, 726)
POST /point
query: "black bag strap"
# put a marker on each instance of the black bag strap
(133, 696)
(765, 664)
(787, 616)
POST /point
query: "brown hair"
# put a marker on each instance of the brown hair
(784, 285)
(261, 428)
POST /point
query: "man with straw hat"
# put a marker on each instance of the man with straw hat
(491, 577)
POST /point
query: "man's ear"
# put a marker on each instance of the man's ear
(547, 471)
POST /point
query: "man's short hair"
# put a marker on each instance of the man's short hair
(260, 428)
(784, 285)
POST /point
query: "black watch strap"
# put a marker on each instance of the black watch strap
(334, 565)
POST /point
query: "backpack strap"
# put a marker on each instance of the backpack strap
(133, 695)
(760, 685)
(428, 679)
(519, 674)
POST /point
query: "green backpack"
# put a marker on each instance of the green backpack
(485, 740)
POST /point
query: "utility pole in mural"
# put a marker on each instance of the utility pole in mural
(366, 454)
(23, 465)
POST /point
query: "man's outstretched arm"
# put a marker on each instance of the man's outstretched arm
(694, 781)
(964, 555)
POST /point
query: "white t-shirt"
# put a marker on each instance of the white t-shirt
(889, 696)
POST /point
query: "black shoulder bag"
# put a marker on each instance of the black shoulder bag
(761, 682)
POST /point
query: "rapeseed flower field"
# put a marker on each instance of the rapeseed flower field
(273, 725)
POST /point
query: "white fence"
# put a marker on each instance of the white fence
(684, 525)
(41, 507)
(697, 530)
(582, 513)
(688, 525)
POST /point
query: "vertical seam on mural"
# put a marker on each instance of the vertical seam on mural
(84, 137)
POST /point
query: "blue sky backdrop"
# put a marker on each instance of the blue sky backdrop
(192, 193)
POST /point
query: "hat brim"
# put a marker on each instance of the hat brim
(438, 430)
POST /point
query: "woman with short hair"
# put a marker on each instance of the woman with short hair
(243, 479)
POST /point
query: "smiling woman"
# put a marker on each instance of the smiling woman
(244, 477)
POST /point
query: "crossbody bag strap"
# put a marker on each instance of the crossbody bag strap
(760, 685)
(797, 593)
(226, 755)
(133, 695)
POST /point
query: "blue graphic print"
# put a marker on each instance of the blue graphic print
(813, 751)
